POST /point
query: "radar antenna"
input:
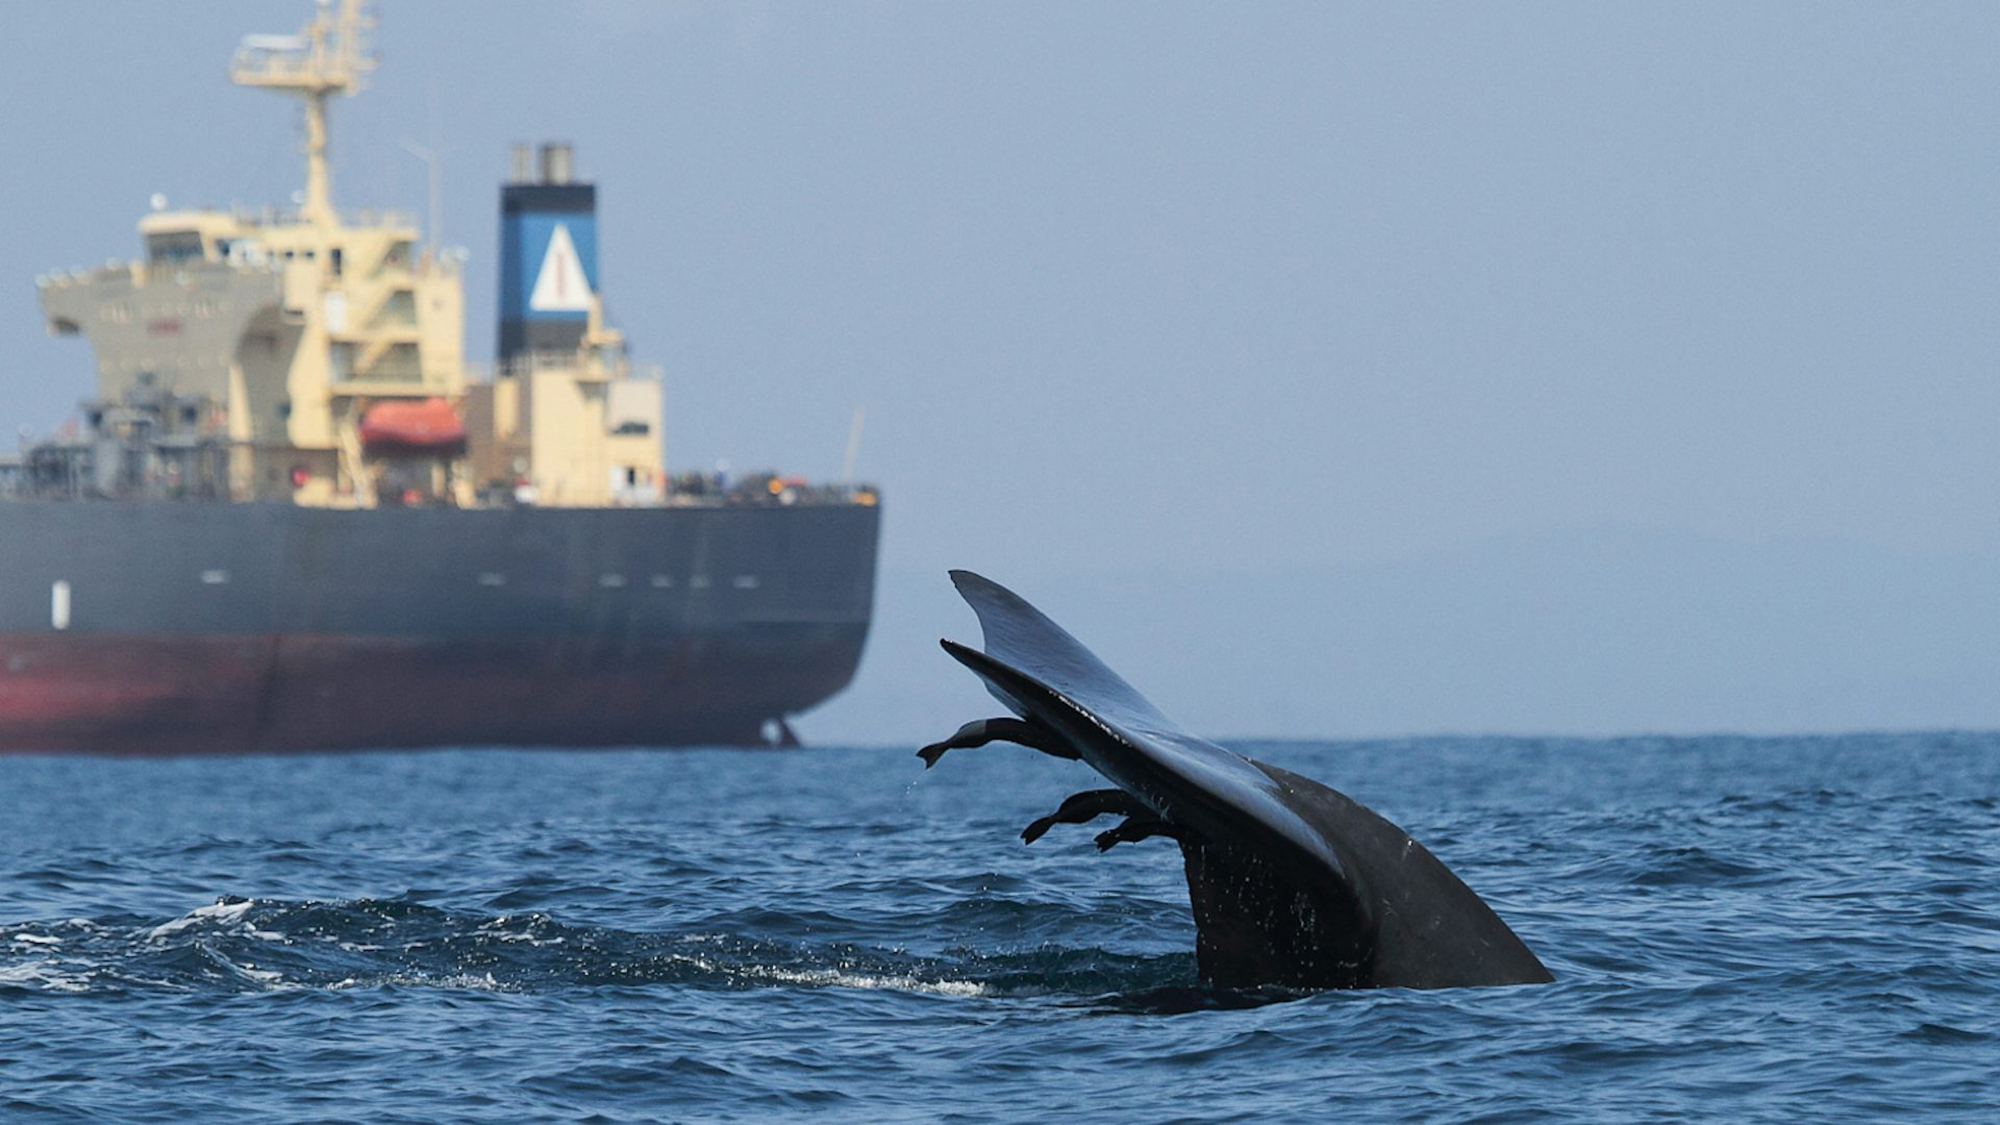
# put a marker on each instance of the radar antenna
(325, 58)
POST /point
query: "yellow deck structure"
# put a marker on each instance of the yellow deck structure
(275, 331)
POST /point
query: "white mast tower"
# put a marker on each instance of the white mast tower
(324, 59)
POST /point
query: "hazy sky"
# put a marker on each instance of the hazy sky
(1331, 368)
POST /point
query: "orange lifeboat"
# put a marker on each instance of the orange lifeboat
(413, 427)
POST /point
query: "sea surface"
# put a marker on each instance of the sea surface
(1769, 929)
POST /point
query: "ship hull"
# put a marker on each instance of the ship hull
(167, 629)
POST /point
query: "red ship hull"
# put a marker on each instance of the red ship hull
(181, 695)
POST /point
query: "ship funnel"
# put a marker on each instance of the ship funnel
(522, 170)
(548, 257)
(557, 161)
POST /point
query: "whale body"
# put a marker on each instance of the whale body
(1292, 883)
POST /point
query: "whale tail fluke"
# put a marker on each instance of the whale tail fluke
(1291, 883)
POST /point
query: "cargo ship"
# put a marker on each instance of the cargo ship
(293, 517)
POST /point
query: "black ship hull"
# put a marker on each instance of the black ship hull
(175, 628)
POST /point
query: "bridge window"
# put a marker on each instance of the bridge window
(173, 246)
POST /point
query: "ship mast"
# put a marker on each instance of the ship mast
(324, 59)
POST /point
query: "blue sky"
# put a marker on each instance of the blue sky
(1334, 369)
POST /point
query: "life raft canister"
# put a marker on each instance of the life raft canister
(413, 427)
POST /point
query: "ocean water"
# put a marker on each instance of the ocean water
(1774, 929)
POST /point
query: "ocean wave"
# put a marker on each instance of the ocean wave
(238, 944)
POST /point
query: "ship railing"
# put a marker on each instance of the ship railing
(269, 216)
(584, 364)
(449, 262)
(714, 490)
(764, 489)
(286, 217)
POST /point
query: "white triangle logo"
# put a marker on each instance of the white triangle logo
(560, 286)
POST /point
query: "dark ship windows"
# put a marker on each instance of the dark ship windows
(173, 246)
(243, 252)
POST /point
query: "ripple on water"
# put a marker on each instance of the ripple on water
(1771, 930)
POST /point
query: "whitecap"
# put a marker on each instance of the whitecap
(220, 912)
(483, 982)
(530, 938)
(44, 974)
(455, 981)
(834, 978)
